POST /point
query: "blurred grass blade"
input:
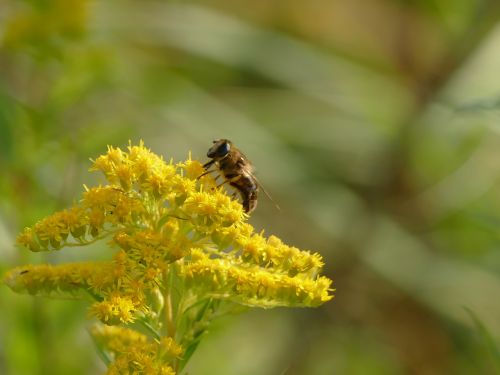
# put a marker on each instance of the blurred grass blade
(444, 284)
(231, 41)
(487, 339)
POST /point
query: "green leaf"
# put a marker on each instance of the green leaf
(100, 350)
(487, 339)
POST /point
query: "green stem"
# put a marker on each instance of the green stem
(150, 328)
(167, 295)
(85, 242)
(170, 323)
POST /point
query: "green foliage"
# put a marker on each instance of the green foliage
(374, 122)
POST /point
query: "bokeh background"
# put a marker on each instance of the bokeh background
(374, 124)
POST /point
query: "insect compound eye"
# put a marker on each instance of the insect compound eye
(223, 149)
(219, 149)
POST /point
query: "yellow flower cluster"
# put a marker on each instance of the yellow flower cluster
(182, 243)
(157, 212)
(253, 286)
(259, 273)
(132, 352)
(67, 279)
(100, 211)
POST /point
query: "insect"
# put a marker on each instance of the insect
(236, 170)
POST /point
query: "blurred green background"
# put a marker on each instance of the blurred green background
(373, 123)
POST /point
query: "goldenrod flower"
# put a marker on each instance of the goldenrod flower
(181, 249)
(61, 280)
(133, 352)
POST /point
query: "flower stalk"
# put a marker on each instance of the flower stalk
(181, 252)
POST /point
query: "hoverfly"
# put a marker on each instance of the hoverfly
(236, 170)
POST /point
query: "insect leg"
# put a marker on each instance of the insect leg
(230, 180)
(203, 174)
(222, 183)
(209, 164)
